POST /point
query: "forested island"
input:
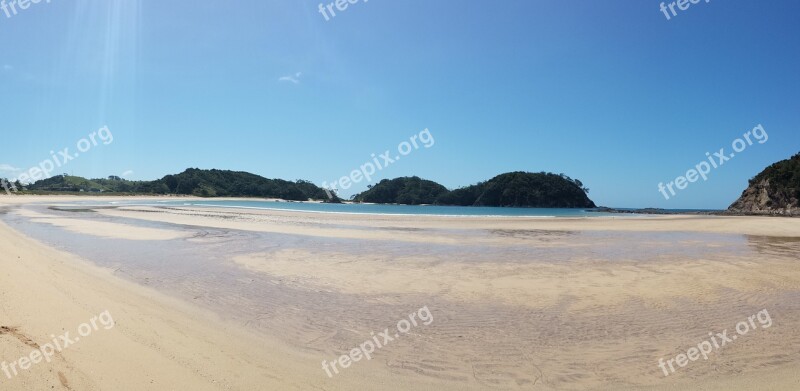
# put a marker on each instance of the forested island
(513, 189)
(774, 191)
(193, 181)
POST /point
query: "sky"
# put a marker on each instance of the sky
(612, 93)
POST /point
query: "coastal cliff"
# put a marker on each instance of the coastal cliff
(775, 191)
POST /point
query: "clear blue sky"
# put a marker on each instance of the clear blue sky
(609, 92)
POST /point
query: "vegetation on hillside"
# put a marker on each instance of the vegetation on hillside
(223, 183)
(7, 186)
(514, 189)
(405, 190)
(774, 191)
(522, 189)
(193, 181)
(783, 178)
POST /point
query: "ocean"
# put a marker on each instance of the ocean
(431, 210)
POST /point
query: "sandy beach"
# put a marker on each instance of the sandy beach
(231, 299)
(419, 195)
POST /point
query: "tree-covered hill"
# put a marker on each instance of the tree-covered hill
(193, 181)
(515, 189)
(522, 189)
(776, 190)
(223, 183)
(404, 190)
(68, 183)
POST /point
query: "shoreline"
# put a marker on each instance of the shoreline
(516, 301)
(599, 209)
(158, 341)
(657, 211)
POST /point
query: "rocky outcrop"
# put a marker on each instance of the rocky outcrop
(775, 191)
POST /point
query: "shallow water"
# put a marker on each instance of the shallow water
(504, 345)
(381, 209)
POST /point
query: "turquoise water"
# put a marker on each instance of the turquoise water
(365, 208)
(376, 209)
(394, 209)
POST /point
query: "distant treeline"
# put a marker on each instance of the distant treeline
(513, 189)
(193, 181)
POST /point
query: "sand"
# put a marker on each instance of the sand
(535, 285)
(104, 229)
(518, 303)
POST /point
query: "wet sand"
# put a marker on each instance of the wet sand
(518, 303)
